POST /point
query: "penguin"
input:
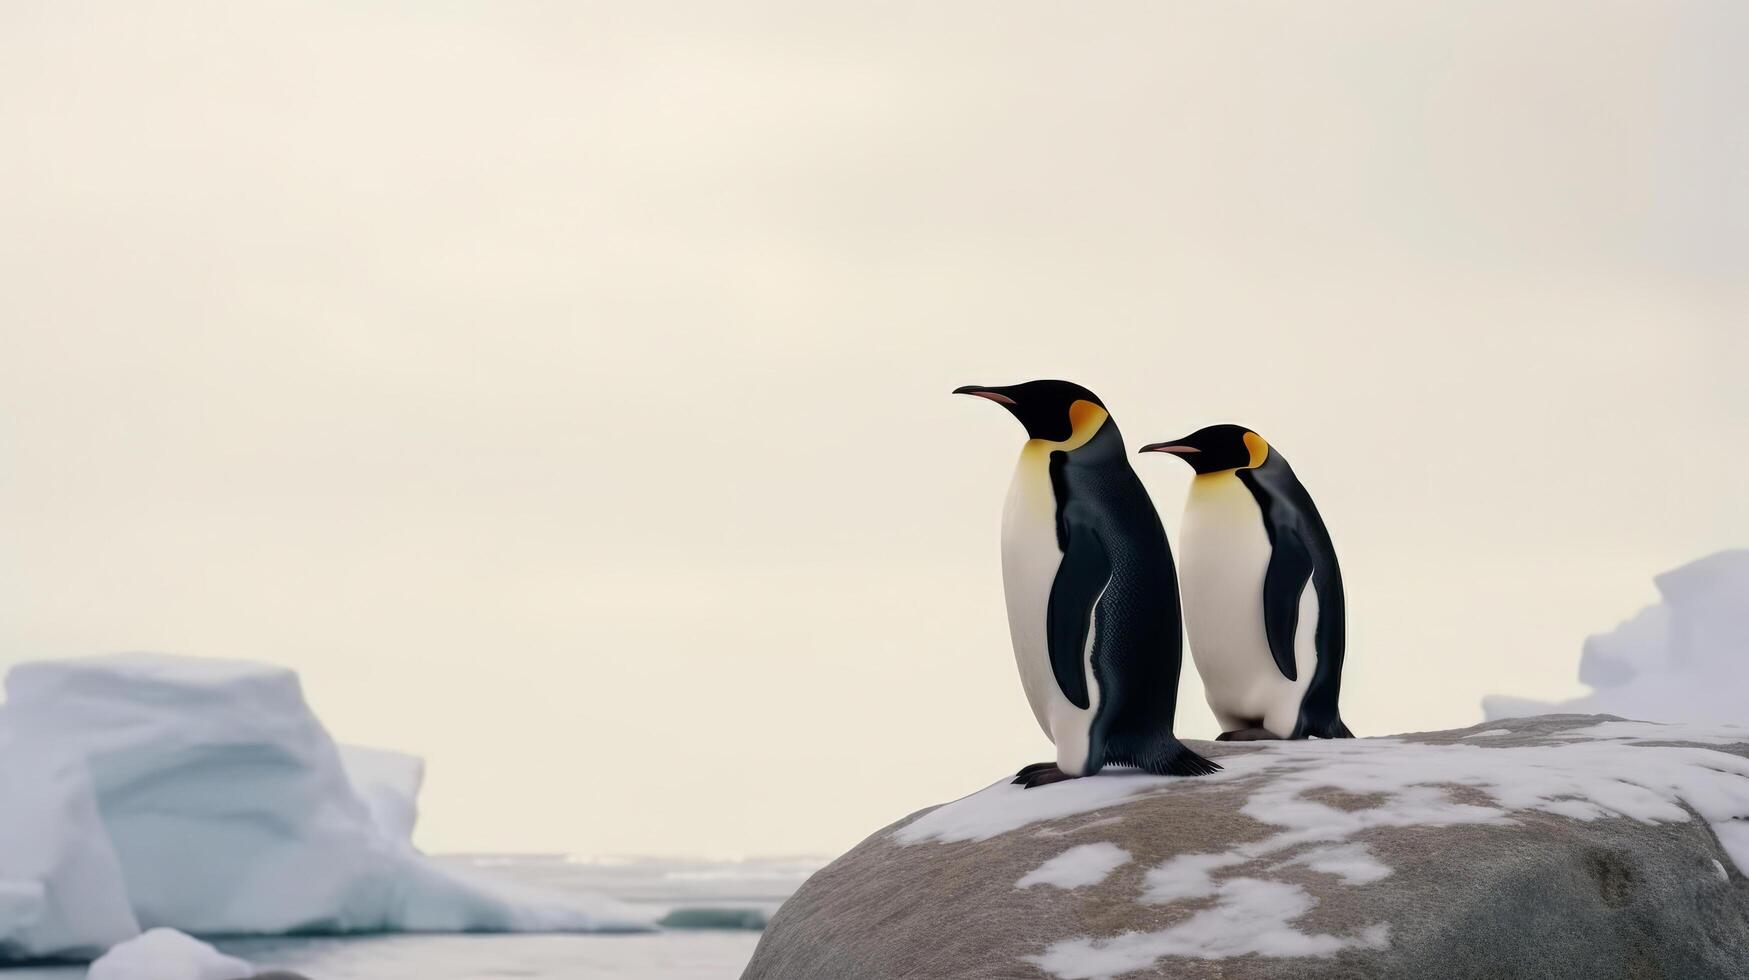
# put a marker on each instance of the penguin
(1262, 591)
(1091, 591)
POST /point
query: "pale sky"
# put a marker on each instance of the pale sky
(562, 389)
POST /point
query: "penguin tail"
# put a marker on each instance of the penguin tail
(1167, 756)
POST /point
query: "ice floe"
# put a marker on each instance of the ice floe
(165, 954)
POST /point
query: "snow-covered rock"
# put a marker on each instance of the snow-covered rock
(1553, 847)
(210, 789)
(165, 954)
(1684, 659)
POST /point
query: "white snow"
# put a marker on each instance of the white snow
(1003, 807)
(203, 795)
(1354, 863)
(1184, 876)
(1657, 731)
(1490, 733)
(1250, 916)
(165, 954)
(1613, 770)
(1719, 869)
(1683, 660)
(1084, 864)
(1078, 828)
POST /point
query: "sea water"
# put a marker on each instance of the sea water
(714, 911)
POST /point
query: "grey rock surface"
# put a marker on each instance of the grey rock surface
(1550, 847)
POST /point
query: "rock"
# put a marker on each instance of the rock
(1561, 846)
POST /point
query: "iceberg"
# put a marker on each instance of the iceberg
(1685, 659)
(146, 790)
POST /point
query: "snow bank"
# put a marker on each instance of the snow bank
(217, 797)
(165, 954)
(1685, 659)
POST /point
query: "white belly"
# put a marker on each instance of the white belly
(1029, 567)
(1224, 555)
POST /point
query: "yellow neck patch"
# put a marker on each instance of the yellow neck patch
(1085, 418)
(1259, 450)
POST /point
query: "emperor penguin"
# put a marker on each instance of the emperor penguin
(1262, 590)
(1091, 592)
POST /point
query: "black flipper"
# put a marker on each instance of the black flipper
(1297, 537)
(1081, 577)
(1290, 569)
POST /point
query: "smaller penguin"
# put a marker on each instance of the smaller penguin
(1262, 591)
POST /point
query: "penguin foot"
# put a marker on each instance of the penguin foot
(1025, 771)
(1248, 735)
(1043, 777)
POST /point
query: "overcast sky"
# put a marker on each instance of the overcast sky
(563, 389)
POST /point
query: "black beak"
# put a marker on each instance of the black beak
(1175, 448)
(994, 394)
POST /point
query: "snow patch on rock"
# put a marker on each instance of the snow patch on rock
(1003, 807)
(1186, 876)
(1250, 917)
(1354, 863)
(1077, 867)
(1657, 731)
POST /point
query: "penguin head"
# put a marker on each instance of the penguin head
(1216, 449)
(1052, 411)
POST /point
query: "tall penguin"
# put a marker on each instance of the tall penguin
(1092, 595)
(1262, 590)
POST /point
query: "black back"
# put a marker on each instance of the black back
(1108, 528)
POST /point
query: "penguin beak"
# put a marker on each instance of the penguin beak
(1176, 449)
(990, 393)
